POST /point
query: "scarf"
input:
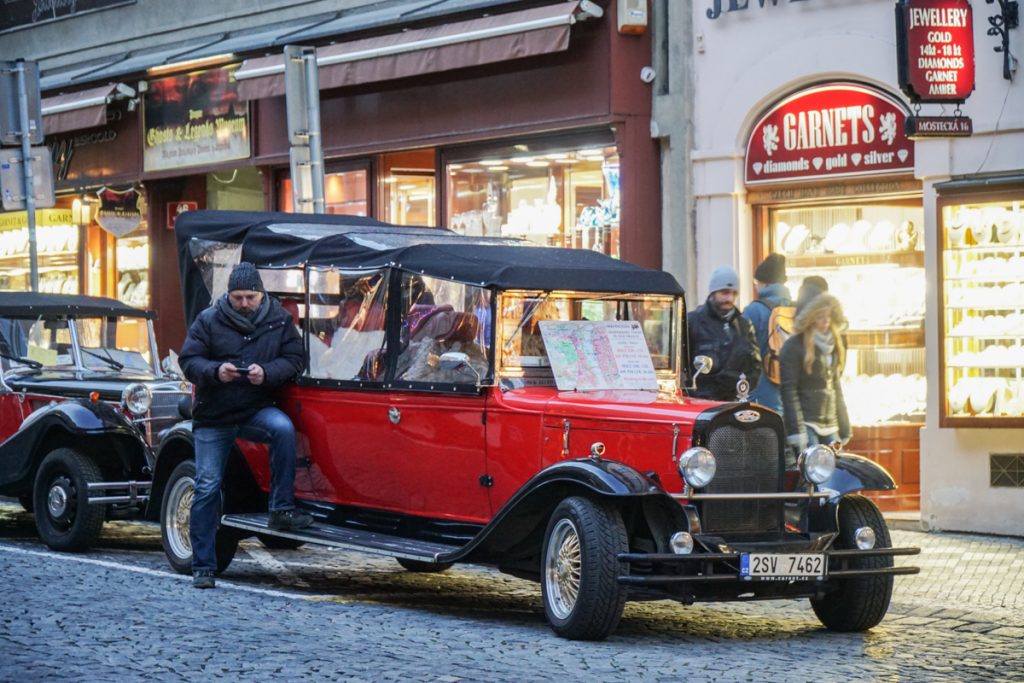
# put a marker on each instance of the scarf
(826, 344)
(246, 324)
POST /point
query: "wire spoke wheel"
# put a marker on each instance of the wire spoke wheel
(582, 597)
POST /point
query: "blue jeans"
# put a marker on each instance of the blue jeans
(213, 447)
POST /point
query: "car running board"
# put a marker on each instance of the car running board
(345, 538)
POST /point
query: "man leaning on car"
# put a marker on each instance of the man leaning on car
(238, 351)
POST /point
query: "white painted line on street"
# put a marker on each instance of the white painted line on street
(274, 566)
(221, 583)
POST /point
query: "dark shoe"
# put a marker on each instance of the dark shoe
(203, 580)
(287, 520)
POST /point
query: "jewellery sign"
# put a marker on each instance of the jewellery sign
(194, 119)
(935, 49)
(829, 131)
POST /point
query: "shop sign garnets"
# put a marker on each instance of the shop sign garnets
(194, 119)
(829, 131)
(935, 49)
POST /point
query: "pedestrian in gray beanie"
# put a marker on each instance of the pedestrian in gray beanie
(718, 331)
(244, 276)
(723, 277)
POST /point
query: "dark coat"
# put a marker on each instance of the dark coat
(816, 396)
(732, 347)
(275, 345)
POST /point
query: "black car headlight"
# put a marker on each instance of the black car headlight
(137, 399)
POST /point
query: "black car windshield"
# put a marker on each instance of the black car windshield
(115, 344)
(34, 344)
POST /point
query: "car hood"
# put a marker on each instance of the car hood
(608, 406)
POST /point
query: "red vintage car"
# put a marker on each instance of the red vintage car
(483, 400)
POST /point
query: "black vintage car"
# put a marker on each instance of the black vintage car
(83, 402)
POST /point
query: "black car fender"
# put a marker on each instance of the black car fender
(856, 473)
(177, 444)
(517, 527)
(853, 473)
(94, 427)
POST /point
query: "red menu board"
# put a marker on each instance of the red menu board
(935, 49)
(830, 131)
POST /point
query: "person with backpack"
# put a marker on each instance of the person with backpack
(772, 315)
(813, 406)
(717, 330)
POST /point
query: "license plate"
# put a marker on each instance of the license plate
(781, 566)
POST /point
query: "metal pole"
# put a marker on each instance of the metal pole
(316, 150)
(26, 163)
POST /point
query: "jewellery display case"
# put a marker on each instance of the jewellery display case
(872, 256)
(56, 248)
(981, 299)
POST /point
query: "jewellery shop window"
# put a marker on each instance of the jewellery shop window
(56, 246)
(982, 311)
(552, 193)
(872, 257)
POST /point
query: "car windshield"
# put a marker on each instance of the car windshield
(522, 344)
(115, 344)
(35, 344)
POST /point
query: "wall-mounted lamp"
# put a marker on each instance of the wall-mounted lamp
(81, 212)
(1008, 17)
(190, 64)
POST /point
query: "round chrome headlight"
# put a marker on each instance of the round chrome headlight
(865, 538)
(818, 463)
(681, 543)
(698, 466)
(137, 398)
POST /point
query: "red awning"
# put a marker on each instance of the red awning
(83, 109)
(488, 40)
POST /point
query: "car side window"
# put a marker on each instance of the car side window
(347, 340)
(439, 316)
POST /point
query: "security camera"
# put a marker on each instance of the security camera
(647, 74)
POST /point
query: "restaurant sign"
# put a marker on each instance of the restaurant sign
(830, 131)
(935, 49)
(194, 119)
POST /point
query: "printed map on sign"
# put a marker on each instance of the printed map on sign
(591, 356)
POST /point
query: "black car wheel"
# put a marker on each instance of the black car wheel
(279, 542)
(175, 515)
(60, 496)
(582, 599)
(859, 603)
(422, 567)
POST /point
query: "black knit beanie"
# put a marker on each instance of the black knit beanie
(772, 270)
(245, 276)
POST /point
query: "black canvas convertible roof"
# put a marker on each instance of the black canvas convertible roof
(33, 304)
(282, 240)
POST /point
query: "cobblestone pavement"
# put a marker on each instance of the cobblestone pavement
(119, 613)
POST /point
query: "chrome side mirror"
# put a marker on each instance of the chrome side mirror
(701, 366)
(455, 360)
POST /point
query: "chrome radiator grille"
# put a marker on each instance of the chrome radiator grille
(748, 462)
(164, 410)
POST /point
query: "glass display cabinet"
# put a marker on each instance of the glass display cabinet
(982, 311)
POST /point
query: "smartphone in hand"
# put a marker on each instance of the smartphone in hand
(242, 371)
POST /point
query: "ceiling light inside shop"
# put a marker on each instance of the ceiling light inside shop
(557, 156)
(408, 186)
(521, 160)
(498, 168)
(455, 166)
(491, 162)
(538, 164)
(390, 179)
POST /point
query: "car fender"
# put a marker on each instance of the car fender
(528, 509)
(856, 473)
(72, 423)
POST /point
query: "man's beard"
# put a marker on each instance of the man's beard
(725, 314)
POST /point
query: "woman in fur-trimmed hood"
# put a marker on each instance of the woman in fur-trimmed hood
(811, 363)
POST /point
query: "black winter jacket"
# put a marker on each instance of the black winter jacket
(212, 340)
(816, 397)
(731, 346)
